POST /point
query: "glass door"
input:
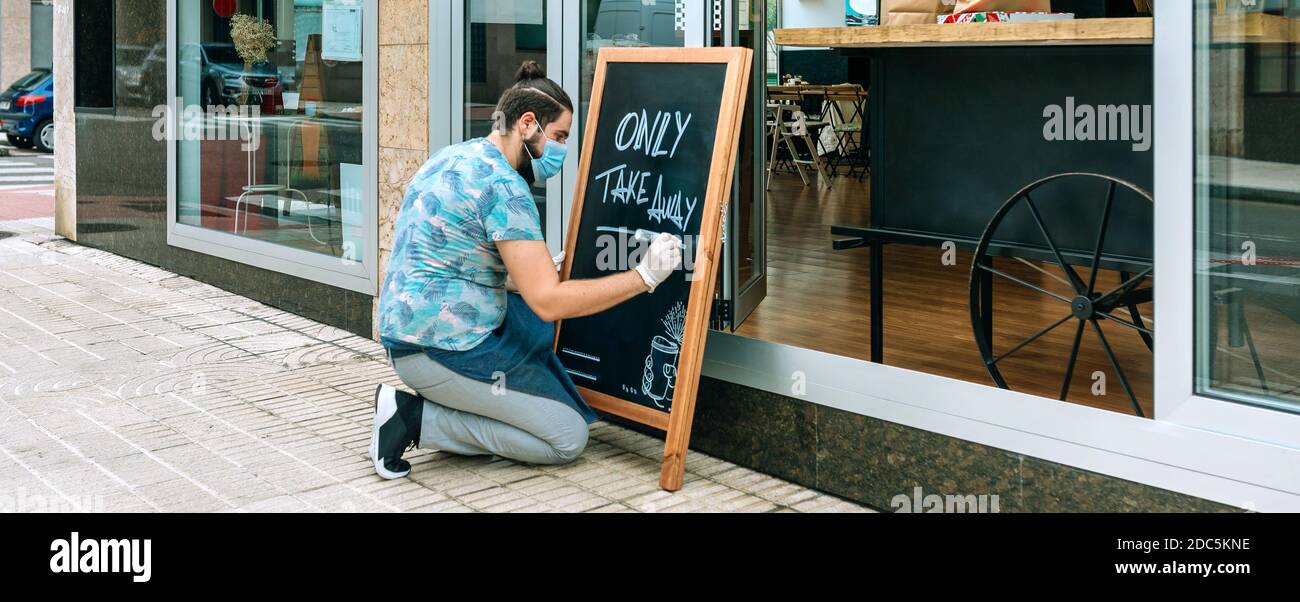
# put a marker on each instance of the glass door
(619, 23)
(489, 40)
(744, 275)
(622, 23)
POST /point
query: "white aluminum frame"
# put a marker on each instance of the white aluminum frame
(442, 88)
(570, 44)
(360, 276)
(1176, 122)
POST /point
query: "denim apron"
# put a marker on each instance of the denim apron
(518, 354)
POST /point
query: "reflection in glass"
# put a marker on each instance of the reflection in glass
(269, 146)
(627, 23)
(499, 36)
(1247, 208)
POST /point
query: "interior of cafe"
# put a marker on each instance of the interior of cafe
(930, 165)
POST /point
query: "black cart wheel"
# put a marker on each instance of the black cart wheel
(1136, 299)
(1086, 304)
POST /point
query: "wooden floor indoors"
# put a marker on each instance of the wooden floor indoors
(818, 298)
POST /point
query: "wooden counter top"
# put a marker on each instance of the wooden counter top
(1244, 27)
(1033, 33)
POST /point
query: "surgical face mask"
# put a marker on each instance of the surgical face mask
(552, 159)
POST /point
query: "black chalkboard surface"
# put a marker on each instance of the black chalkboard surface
(649, 172)
(658, 155)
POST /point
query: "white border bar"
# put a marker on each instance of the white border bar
(440, 74)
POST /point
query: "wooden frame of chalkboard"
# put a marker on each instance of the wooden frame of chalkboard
(689, 318)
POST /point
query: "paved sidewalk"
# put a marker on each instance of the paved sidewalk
(124, 387)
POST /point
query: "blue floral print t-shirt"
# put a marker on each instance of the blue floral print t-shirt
(445, 285)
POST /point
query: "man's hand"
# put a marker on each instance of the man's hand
(661, 260)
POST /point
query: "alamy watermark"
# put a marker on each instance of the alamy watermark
(177, 121)
(618, 250)
(920, 502)
(123, 556)
(19, 501)
(1110, 123)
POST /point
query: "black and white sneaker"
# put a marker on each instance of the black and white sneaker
(396, 429)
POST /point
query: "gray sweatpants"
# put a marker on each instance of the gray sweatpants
(467, 417)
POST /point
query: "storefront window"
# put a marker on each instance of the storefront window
(269, 107)
(898, 238)
(1247, 261)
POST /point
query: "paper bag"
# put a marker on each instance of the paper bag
(906, 12)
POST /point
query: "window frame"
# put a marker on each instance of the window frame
(1177, 74)
(359, 276)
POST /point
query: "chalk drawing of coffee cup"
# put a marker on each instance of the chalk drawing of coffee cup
(660, 375)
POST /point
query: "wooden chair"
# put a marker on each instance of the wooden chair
(784, 133)
(849, 132)
(813, 100)
(783, 94)
(778, 96)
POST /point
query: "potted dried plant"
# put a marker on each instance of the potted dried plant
(253, 38)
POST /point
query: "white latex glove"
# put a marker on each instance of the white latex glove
(661, 260)
(558, 260)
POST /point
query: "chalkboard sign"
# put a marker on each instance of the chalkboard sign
(657, 156)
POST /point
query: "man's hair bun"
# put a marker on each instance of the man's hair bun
(530, 70)
(531, 93)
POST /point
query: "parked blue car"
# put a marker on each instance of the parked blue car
(27, 111)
